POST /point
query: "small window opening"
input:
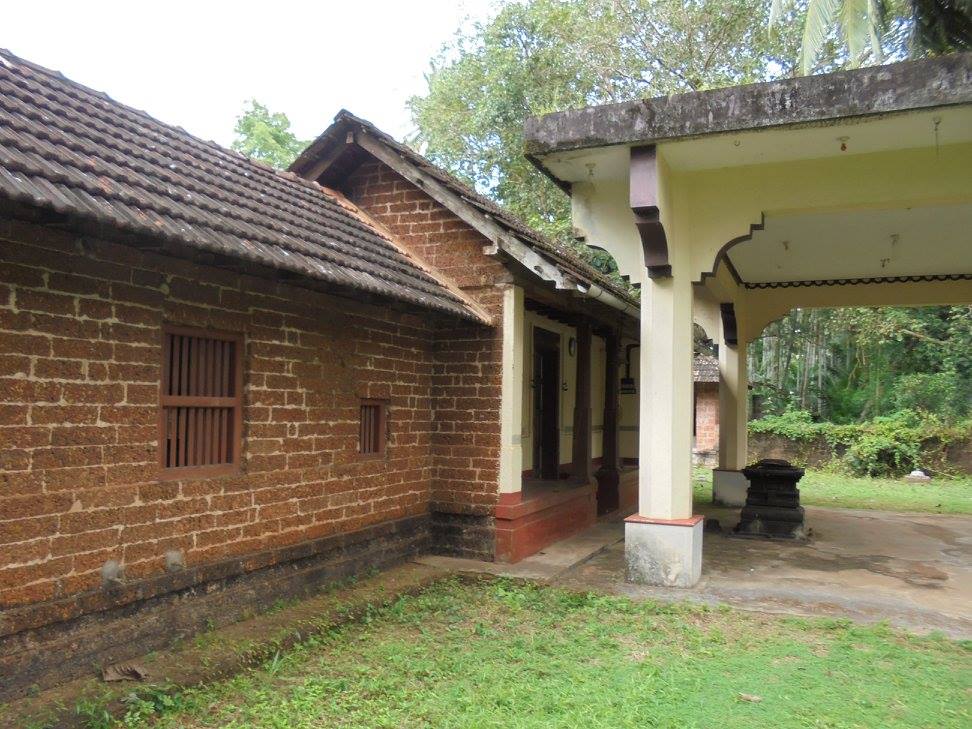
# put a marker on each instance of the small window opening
(200, 415)
(373, 428)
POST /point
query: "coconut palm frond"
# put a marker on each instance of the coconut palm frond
(776, 10)
(856, 27)
(877, 21)
(819, 23)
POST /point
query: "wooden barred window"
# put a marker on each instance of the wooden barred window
(201, 413)
(373, 428)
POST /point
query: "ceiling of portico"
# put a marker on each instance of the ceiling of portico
(916, 241)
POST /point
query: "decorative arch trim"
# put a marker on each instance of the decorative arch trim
(920, 278)
(723, 254)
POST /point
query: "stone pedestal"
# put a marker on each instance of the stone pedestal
(772, 507)
(663, 551)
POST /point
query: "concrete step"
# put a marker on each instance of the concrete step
(546, 564)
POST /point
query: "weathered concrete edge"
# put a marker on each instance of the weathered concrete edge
(877, 90)
(48, 708)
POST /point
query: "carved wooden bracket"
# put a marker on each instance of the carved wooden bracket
(729, 333)
(644, 205)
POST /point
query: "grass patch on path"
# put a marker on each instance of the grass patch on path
(504, 654)
(822, 488)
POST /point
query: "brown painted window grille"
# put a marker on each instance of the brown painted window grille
(373, 429)
(200, 413)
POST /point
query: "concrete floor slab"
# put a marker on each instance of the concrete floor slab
(914, 571)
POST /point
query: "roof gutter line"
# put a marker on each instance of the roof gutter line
(597, 293)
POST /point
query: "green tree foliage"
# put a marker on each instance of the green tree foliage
(942, 26)
(887, 446)
(265, 136)
(851, 365)
(548, 55)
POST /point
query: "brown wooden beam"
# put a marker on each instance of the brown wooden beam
(644, 204)
(729, 331)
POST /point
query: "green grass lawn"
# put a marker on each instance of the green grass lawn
(502, 654)
(822, 488)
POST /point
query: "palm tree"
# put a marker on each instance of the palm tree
(936, 26)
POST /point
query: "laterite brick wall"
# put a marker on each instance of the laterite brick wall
(80, 356)
(466, 382)
(706, 417)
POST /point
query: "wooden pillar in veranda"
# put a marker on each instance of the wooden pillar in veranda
(608, 475)
(582, 470)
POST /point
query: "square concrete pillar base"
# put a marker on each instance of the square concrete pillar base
(729, 487)
(662, 551)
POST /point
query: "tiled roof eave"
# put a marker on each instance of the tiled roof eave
(76, 152)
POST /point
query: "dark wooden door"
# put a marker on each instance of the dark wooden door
(546, 403)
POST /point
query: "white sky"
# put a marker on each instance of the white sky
(195, 64)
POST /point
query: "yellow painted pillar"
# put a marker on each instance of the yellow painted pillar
(729, 485)
(665, 453)
(511, 416)
(663, 541)
(733, 406)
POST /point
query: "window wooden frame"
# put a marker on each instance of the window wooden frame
(208, 407)
(372, 433)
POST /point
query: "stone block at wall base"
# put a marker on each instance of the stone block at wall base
(47, 644)
(729, 487)
(470, 536)
(663, 552)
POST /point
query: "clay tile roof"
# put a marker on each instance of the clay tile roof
(705, 368)
(77, 152)
(568, 259)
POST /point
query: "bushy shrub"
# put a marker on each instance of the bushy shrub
(937, 392)
(792, 424)
(885, 446)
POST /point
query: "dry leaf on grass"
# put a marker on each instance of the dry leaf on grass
(752, 698)
(124, 672)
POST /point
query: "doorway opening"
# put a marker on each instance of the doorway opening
(546, 404)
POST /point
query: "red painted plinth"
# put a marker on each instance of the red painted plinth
(639, 519)
(529, 521)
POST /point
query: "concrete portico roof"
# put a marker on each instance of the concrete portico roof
(846, 177)
(732, 207)
(809, 100)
